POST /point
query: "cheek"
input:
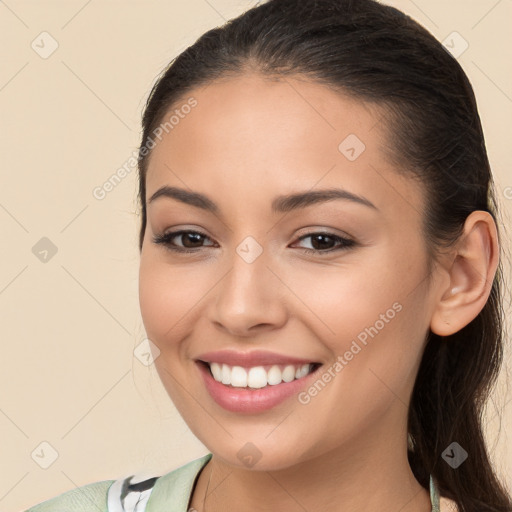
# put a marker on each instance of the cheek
(346, 300)
(152, 307)
(373, 315)
(170, 298)
(167, 296)
(158, 289)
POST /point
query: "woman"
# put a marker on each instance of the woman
(349, 373)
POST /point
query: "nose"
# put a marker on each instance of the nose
(249, 299)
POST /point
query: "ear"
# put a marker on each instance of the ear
(471, 268)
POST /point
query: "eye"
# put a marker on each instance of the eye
(323, 239)
(192, 241)
(189, 241)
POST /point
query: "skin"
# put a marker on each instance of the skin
(248, 140)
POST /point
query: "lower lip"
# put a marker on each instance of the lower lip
(251, 400)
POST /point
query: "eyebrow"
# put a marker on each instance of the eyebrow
(280, 204)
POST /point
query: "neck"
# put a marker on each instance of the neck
(365, 474)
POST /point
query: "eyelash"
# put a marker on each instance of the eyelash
(165, 239)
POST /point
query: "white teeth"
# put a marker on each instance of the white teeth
(216, 371)
(238, 377)
(257, 377)
(289, 373)
(274, 376)
(226, 374)
(302, 371)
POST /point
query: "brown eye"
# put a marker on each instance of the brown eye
(191, 240)
(322, 243)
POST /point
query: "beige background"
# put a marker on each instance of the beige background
(69, 326)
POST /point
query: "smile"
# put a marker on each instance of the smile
(254, 382)
(258, 377)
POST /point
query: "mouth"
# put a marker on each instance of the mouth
(256, 381)
(257, 377)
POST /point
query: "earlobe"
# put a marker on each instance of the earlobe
(472, 267)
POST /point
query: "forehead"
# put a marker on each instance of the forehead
(252, 108)
(250, 133)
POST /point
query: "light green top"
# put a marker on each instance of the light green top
(171, 493)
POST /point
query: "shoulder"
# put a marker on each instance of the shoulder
(176, 486)
(86, 498)
(126, 493)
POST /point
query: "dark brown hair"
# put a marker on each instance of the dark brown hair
(376, 53)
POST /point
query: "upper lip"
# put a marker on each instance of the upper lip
(248, 359)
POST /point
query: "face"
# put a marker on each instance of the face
(339, 285)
